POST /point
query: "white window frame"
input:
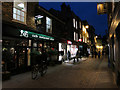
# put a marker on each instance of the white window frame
(49, 24)
(19, 15)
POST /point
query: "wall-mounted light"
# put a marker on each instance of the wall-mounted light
(87, 26)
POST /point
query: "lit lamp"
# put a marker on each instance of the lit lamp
(87, 26)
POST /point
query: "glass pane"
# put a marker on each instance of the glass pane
(14, 10)
(22, 13)
(22, 19)
(18, 12)
(14, 16)
(18, 17)
(21, 56)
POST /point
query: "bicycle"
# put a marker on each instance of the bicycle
(39, 69)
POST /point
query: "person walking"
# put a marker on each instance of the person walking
(95, 54)
(69, 55)
(78, 55)
(99, 54)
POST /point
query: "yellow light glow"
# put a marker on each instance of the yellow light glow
(110, 35)
(87, 26)
(99, 47)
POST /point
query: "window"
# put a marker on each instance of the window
(75, 36)
(80, 36)
(80, 24)
(74, 23)
(48, 25)
(19, 11)
(83, 39)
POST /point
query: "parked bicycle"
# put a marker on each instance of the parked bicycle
(39, 69)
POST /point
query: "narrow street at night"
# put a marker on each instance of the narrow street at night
(88, 73)
(61, 44)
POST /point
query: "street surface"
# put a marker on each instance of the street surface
(87, 73)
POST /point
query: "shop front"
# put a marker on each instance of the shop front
(17, 46)
(72, 48)
(62, 52)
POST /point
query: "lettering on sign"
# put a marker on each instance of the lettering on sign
(24, 33)
(29, 34)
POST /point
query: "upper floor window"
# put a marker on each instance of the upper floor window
(74, 23)
(80, 36)
(75, 36)
(48, 25)
(19, 11)
(80, 24)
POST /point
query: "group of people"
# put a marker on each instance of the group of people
(97, 54)
(40, 58)
(78, 55)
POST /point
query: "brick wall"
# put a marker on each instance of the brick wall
(30, 14)
(7, 13)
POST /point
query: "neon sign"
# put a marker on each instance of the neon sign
(69, 42)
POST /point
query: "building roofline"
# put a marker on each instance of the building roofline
(46, 11)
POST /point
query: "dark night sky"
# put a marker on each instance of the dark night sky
(86, 11)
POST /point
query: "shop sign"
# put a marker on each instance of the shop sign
(69, 42)
(101, 8)
(28, 34)
(80, 40)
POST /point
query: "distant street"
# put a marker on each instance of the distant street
(89, 73)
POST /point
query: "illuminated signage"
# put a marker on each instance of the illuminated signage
(101, 8)
(28, 34)
(80, 40)
(69, 42)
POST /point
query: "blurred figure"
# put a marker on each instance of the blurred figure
(99, 54)
(92, 54)
(95, 54)
(69, 55)
(102, 52)
(78, 55)
(87, 54)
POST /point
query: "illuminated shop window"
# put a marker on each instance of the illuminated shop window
(48, 25)
(19, 11)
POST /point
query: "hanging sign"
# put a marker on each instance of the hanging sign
(101, 8)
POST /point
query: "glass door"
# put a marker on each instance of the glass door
(22, 57)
